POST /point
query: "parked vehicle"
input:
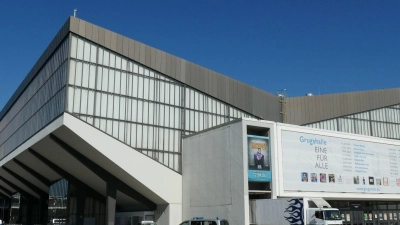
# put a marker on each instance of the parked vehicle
(147, 222)
(310, 211)
(202, 221)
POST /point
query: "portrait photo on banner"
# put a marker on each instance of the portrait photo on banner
(258, 153)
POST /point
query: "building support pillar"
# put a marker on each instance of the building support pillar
(7, 213)
(29, 209)
(43, 209)
(110, 203)
(80, 210)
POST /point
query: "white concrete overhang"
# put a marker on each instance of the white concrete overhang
(152, 180)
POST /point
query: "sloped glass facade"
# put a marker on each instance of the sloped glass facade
(383, 122)
(40, 103)
(137, 105)
(58, 201)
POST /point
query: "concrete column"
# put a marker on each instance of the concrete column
(7, 212)
(6, 208)
(110, 203)
(43, 209)
(29, 209)
(80, 200)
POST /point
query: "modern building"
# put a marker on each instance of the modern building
(95, 130)
(236, 170)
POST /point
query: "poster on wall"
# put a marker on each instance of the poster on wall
(317, 163)
(258, 158)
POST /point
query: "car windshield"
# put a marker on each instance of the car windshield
(332, 215)
(203, 223)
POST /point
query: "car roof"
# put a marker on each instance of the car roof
(205, 220)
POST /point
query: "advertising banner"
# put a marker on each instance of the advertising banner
(258, 158)
(323, 163)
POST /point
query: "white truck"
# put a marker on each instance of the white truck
(313, 211)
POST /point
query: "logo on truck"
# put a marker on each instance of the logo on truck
(294, 212)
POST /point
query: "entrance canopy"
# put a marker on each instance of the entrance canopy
(85, 156)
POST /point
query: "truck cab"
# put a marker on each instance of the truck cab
(318, 211)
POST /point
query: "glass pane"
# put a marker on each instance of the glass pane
(123, 83)
(116, 107)
(85, 75)
(112, 60)
(111, 80)
(72, 68)
(93, 53)
(78, 77)
(117, 88)
(86, 53)
(74, 43)
(80, 49)
(106, 59)
(92, 77)
(118, 62)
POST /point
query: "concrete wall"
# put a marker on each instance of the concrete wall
(214, 175)
(168, 214)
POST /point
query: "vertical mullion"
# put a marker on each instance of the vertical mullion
(88, 89)
(74, 86)
(156, 116)
(87, 95)
(95, 85)
(126, 102)
(137, 108)
(155, 153)
(113, 96)
(120, 97)
(144, 101)
(81, 87)
(165, 130)
(108, 91)
(68, 59)
(131, 99)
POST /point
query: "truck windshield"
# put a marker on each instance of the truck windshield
(332, 215)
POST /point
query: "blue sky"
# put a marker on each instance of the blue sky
(321, 47)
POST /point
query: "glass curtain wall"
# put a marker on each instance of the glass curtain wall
(137, 105)
(42, 101)
(4, 209)
(383, 122)
(57, 209)
(15, 206)
(94, 209)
